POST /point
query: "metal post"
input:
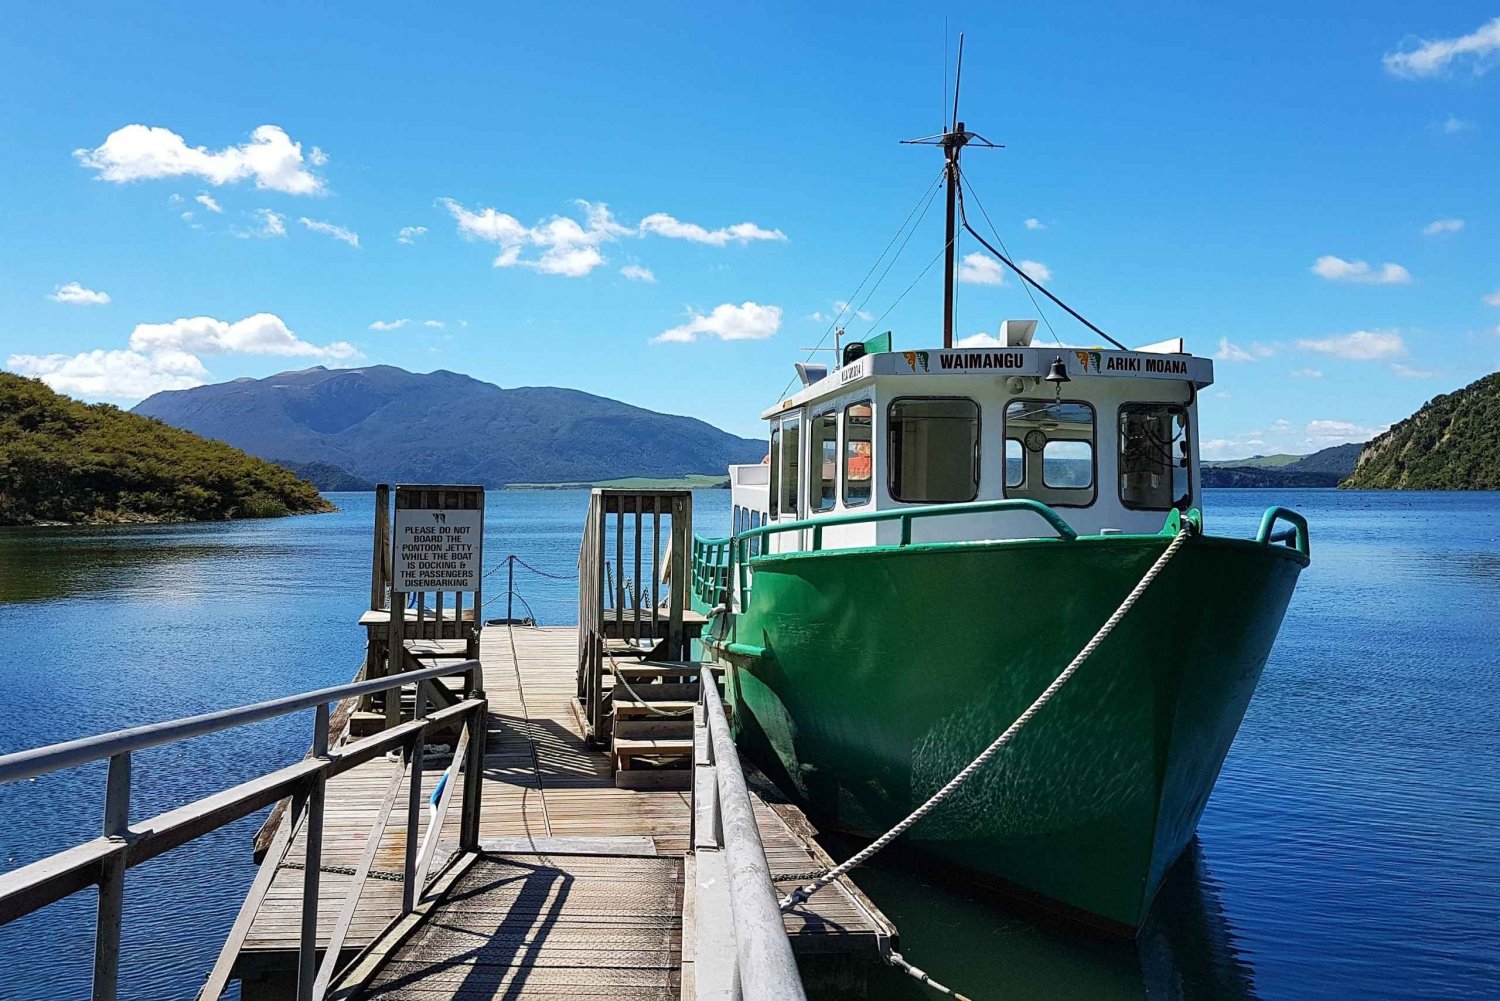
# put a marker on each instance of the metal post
(409, 886)
(510, 588)
(112, 880)
(307, 947)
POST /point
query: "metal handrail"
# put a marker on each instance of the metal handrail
(104, 860)
(906, 516)
(1298, 540)
(68, 754)
(765, 967)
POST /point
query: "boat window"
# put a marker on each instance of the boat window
(1049, 451)
(774, 458)
(1015, 462)
(934, 449)
(1154, 457)
(859, 456)
(824, 455)
(791, 449)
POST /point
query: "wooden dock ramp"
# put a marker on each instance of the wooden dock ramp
(579, 890)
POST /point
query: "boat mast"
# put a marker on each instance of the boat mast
(952, 140)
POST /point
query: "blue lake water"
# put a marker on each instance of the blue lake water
(1351, 849)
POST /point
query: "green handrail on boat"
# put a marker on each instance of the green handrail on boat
(906, 516)
(1272, 516)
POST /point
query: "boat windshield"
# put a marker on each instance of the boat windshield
(1049, 451)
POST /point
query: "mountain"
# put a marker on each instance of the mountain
(326, 476)
(1324, 468)
(1451, 443)
(387, 425)
(65, 461)
(1257, 461)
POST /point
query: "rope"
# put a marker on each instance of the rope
(923, 203)
(615, 670)
(536, 764)
(899, 962)
(1029, 294)
(964, 218)
(800, 894)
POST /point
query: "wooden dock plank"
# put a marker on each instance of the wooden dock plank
(541, 783)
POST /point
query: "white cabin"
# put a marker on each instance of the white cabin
(1113, 448)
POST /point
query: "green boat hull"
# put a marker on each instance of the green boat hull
(863, 680)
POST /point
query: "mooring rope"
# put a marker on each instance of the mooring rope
(614, 669)
(800, 894)
(536, 761)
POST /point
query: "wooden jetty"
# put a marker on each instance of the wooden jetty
(550, 815)
(606, 841)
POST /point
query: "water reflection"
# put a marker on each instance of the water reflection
(986, 946)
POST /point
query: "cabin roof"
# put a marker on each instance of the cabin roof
(1082, 364)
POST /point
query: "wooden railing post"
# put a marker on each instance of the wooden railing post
(307, 946)
(381, 554)
(473, 803)
(112, 880)
(409, 888)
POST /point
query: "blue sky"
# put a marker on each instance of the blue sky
(1307, 193)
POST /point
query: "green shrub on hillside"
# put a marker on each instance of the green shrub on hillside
(66, 461)
(1452, 443)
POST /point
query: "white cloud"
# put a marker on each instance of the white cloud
(1036, 270)
(1493, 299)
(847, 309)
(979, 340)
(661, 224)
(1362, 345)
(389, 324)
(567, 248)
(317, 157)
(77, 295)
(208, 202)
(980, 269)
(636, 273)
(140, 152)
(570, 248)
(1229, 351)
(1479, 48)
(164, 356)
(1324, 433)
(1452, 125)
(728, 322)
(1306, 373)
(268, 224)
(1407, 372)
(113, 375)
(260, 334)
(434, 324)
(409, 234)
(1035, 224)
(329, 229)
(1442, 226)
(1336, 269)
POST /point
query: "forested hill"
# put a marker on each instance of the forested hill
(1452, 443)
(65, 461)
(1321, 469)
(385, 424)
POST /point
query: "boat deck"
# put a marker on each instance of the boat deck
(543, 912)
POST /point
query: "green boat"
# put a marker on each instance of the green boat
(933, 536)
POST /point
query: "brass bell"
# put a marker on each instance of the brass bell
(1058, 373)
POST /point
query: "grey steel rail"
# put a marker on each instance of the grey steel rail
(104, 860)
(763, 967)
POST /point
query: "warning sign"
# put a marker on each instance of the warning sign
(437, 550)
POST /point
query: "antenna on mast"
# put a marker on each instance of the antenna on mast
(952, 141)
